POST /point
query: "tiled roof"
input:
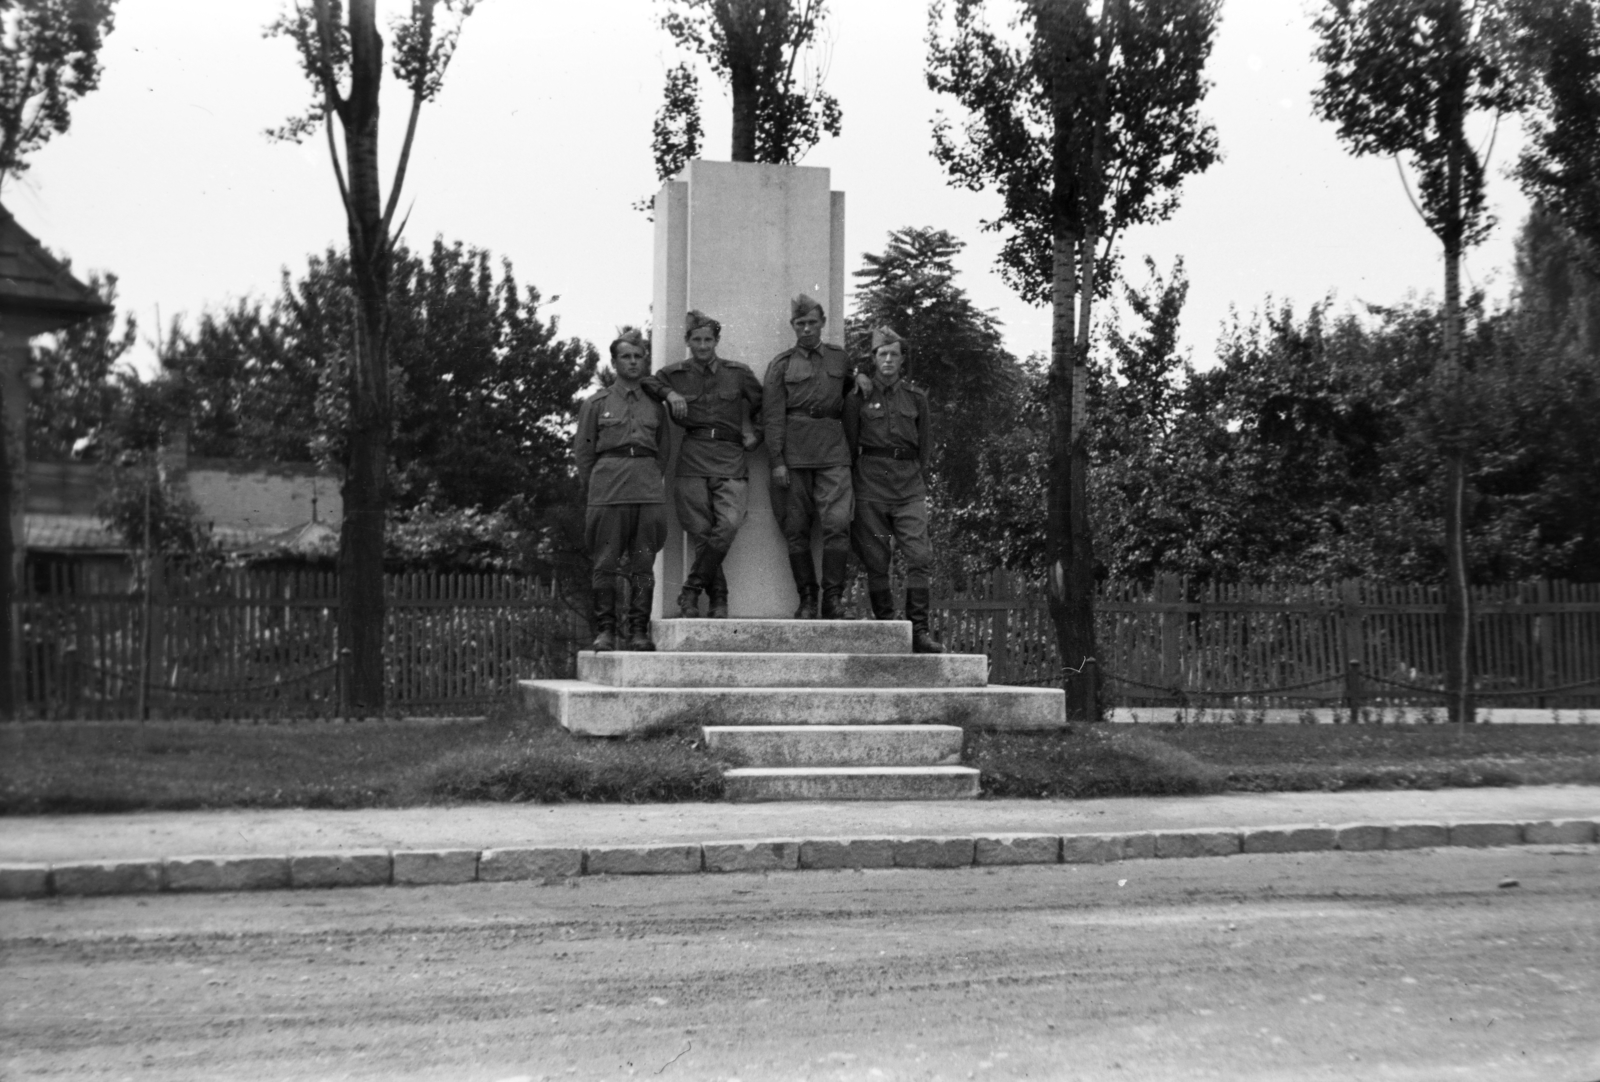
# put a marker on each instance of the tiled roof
(90, 533)
(35, 282)
(74, 533)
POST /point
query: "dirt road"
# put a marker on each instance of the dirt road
(1372, 966)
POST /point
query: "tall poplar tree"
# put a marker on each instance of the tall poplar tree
(766, 51)
(341, 54)
(1400, 78)
(1089, 126)
(1557, 54)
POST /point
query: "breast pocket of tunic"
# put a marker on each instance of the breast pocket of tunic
(610, 428)
(906, 420)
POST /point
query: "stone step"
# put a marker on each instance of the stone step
(598, 710)
(838, 745)
(851, 783)
(782, 636)
(731, 670)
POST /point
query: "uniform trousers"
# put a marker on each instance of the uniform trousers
(711, 509)
(880, 526)
(623, 539)
(824, 493)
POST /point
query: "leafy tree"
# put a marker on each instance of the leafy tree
(49, 58)
(1557, 55)
(484, 388)
(1400, 78)
(1089, 127)
(954, 348)
(341, 55)
(75, 383)
(766, 51)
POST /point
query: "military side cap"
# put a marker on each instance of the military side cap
(802, 304)
(697, 319)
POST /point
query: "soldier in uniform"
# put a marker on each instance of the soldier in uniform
(622, 448)
(891, 441)
(709, 395)
(802, 401)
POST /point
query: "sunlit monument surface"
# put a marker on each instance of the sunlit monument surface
(816, 709)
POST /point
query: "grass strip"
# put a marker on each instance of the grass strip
(178, 766)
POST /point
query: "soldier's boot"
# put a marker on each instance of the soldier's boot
(922, 641)
(603, 617)
(835, 562)
(717, 595)
(882, 603)
(689, 602)
(702, 573)
(805, 581)
(644, 590)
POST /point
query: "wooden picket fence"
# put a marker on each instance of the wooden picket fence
(1536, 644)
(263, 643)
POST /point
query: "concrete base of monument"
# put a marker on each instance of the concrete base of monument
(839, 745)
(598, 710)
(748, 784)
(809, 709)
(782, 636)
(753, 670)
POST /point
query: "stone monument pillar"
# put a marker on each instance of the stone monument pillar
(737, 240)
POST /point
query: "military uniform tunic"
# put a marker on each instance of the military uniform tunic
(803, 400)
(890, 436)
(621, 446)
(717, 393)
(711, 488)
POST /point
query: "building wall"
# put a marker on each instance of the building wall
(230, 494)
(263, 495)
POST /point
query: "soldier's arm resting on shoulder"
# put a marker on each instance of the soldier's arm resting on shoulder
(863, 370)
(656, 386)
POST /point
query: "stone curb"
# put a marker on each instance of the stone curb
(423, 867)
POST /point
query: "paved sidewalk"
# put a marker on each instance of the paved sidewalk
(156, 835)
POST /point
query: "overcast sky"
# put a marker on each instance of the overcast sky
(540, 143)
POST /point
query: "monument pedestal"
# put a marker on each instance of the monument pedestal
(813, 709)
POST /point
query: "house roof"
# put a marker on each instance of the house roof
(70, 533)
(34, 283)
(86, 534)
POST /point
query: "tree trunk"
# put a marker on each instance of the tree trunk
(1064, 487)
(8, 585)
(743, 86)
(1457, 597)
(361, 602)
(1458, 602)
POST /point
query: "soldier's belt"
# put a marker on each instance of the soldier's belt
(724, 433)
(816, 413)
(900, 454)
(630, 451)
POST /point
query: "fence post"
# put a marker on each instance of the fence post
(1355, 647)
(1169, 591)
(1000, 648)
(1354, 690)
